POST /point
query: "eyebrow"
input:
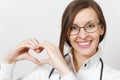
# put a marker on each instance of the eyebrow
(86, 23)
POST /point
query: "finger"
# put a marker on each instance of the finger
(45, 44)
(32, 43)
(25, 47)
(35, 41)
(44, 61)
(28, 44)
(27, 56)
(36, 61)
(49, 47)
(33, 59)
(36, 46)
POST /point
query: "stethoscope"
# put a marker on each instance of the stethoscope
(101, 71)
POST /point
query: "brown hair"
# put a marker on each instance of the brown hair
(68, 16)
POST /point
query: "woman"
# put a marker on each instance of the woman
(83, 28)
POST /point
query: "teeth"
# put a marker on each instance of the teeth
(84, 43)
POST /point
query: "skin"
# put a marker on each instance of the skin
(21, 52)
(84, 44)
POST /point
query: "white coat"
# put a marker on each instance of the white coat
(90, 70)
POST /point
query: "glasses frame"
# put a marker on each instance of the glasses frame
(98, 24)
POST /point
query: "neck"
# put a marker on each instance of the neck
(78, 61)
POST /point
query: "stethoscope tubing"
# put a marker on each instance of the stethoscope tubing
(101, 72)
(102, 66)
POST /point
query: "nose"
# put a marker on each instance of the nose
(82, 33)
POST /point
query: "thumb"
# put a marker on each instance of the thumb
(44, 61)
(33, 59)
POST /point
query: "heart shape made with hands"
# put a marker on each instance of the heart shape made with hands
(38, 54)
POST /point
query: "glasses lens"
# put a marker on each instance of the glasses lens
(74, 30)
(91, 27)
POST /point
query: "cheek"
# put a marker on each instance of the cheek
(96, 38)
(72, 39)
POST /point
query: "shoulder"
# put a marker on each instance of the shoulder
(111, 73)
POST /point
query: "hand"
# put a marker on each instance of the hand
(55, 58)
(21, 52)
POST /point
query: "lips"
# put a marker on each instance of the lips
(84, 44)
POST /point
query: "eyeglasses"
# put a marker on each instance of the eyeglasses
(90, 27)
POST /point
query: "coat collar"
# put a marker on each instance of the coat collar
(90, 63)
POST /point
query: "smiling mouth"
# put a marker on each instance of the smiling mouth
(85, 44)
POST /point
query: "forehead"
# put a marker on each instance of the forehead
(84, 16)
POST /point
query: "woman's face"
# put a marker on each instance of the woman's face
(85, 43)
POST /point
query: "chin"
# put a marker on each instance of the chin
(87, 52)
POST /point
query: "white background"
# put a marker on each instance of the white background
(41, 19)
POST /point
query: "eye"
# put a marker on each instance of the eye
(73, 27)
(91, 25)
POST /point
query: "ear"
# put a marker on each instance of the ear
(101, 31)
